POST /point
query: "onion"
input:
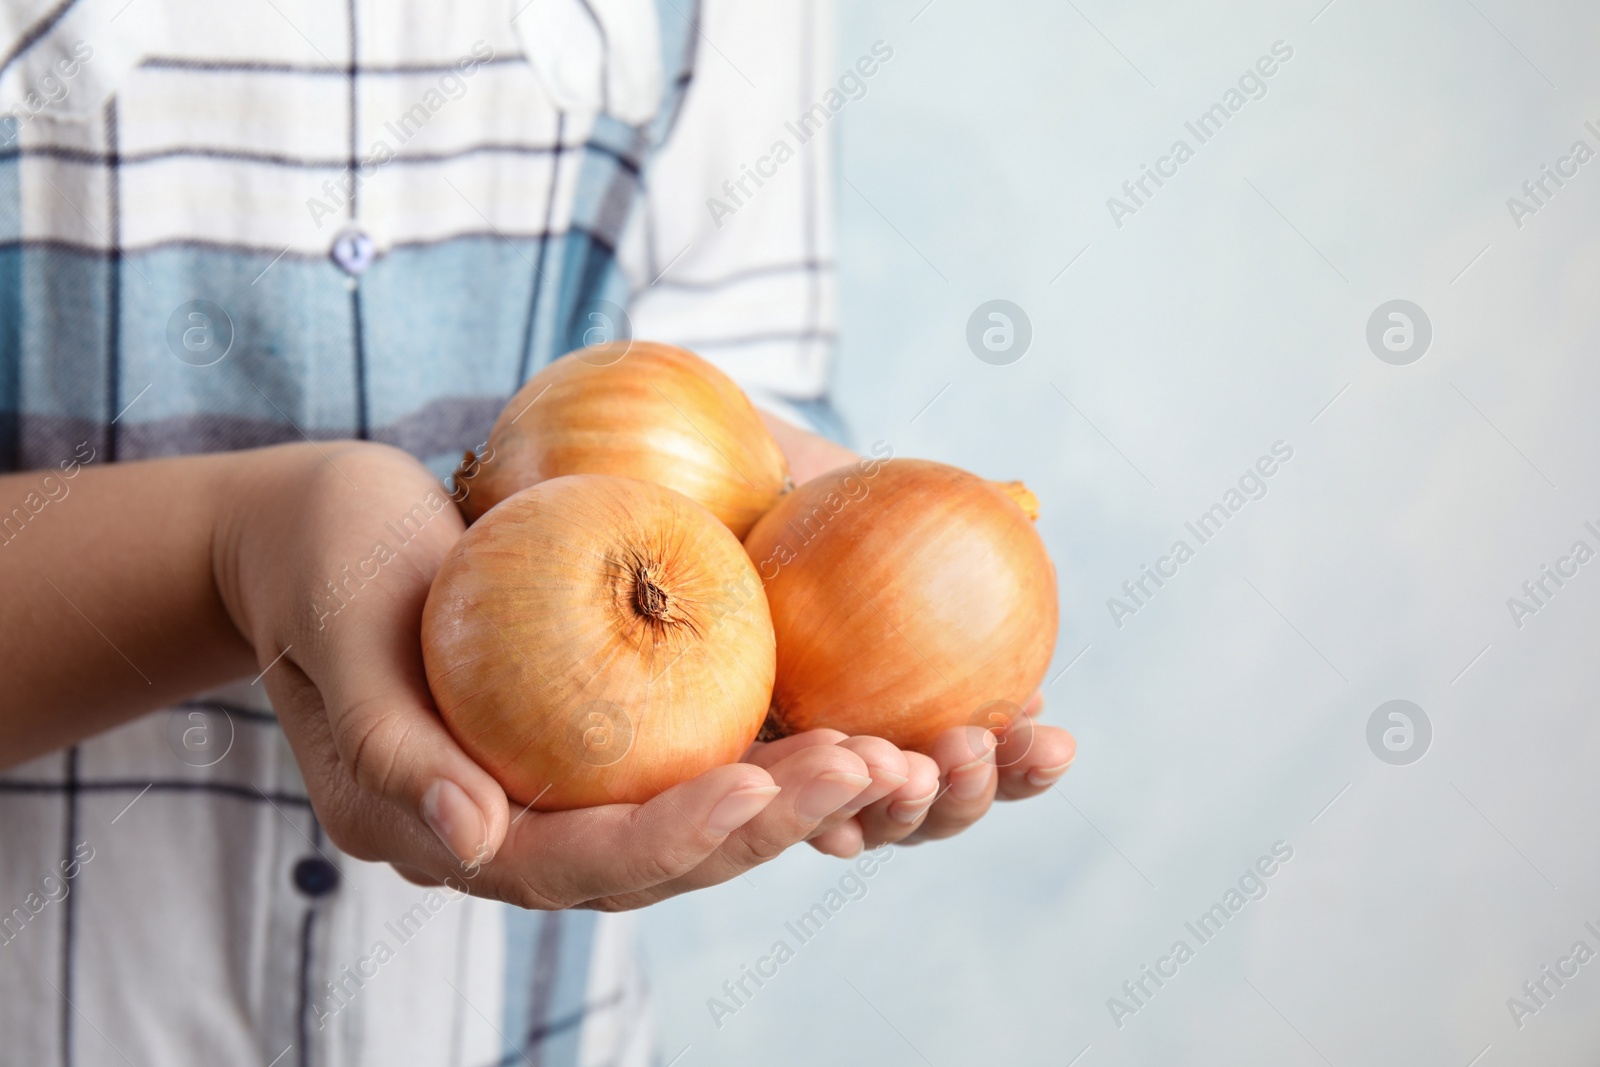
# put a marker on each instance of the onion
(908, 597)
(595, 640)
(640, 410)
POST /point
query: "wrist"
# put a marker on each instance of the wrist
(809, 454)
(252, 493)
(286, 519)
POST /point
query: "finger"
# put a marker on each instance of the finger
(562, 859)
(416, 875)
(886, 765)
(1034, 706)
(766, 753)
(357, 823)
(815, 782)
(844, 841)
(969, 783)
(896, 816)
(386, 730)
(1049, 754)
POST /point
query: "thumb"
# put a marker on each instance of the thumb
(389, 735)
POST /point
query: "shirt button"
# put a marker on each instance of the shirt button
(315, 876)
(354, 251)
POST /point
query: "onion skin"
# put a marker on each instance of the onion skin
(907, 597)
(596, 640)
(635, 409)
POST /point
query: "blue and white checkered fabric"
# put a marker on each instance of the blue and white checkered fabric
(227, 225)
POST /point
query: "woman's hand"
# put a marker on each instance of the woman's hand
(324, 561)
(916, 797)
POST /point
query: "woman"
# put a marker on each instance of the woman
(267, 271)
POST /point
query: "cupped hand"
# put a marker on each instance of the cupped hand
(916, 797)
(324, 558)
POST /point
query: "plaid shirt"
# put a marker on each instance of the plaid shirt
(223, 227)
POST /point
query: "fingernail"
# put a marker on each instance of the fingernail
(1043, 776)
(985, 751)
(888, 780)
(739, 807)
(828, 792)
(452, 815)
(968, 781)
(909, 811)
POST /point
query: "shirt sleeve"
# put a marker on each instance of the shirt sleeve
(731, 252)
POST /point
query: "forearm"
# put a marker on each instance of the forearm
(809, 454)
(108, 604)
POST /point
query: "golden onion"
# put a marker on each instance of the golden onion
(908, 597)
(596, 640)
(637, 409)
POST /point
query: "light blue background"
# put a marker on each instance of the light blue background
(1227, 714)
